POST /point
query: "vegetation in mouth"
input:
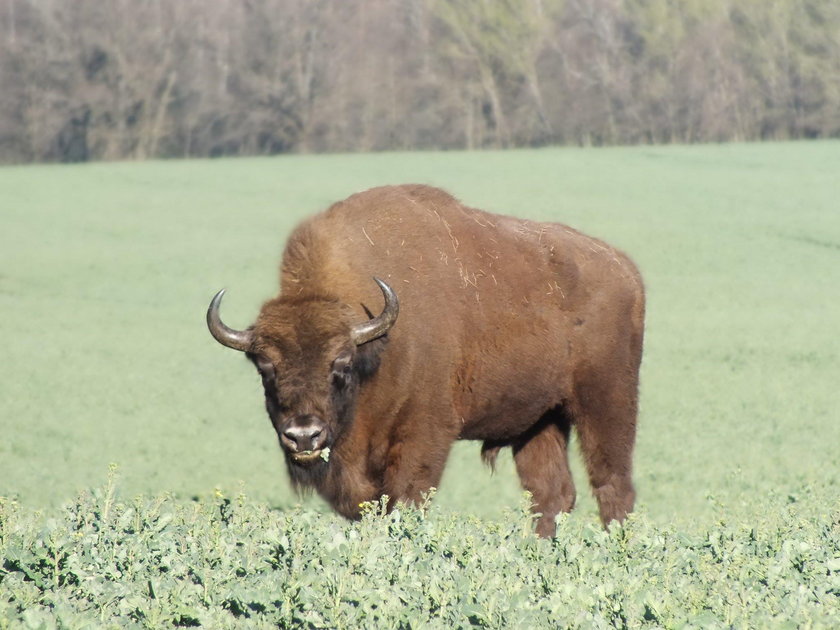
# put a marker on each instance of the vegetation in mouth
(310, 456)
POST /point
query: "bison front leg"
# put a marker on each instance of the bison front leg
(542, 464)
(415, 462)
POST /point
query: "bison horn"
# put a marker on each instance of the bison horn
(378, 326)
(236, 339)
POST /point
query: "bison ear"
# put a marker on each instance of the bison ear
(367, 357)
(367, 354)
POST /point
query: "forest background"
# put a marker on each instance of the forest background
(126, 79)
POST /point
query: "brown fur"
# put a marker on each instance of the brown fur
(510, 332)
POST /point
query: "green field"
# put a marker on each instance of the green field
(106, 271)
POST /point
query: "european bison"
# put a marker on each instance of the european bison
(493, 328)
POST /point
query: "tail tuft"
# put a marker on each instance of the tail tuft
(490, 451)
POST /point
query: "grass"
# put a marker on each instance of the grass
(232, 563)
(106, 271)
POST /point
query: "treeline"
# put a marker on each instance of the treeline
(132, 79)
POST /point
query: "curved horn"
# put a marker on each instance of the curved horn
(378, 326)
(236, 339)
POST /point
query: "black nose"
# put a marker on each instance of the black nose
(304, 434)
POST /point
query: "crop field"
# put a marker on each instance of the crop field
(141, 483)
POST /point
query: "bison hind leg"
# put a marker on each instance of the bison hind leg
(541, 458)
(606, 426)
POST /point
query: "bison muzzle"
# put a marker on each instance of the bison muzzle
(512, 332)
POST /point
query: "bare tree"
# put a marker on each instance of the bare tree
(131, 80)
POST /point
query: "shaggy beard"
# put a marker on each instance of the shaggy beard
(309, 476)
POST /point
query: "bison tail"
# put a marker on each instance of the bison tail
(490, 451)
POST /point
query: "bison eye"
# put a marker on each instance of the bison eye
(342, 369)
(341, 379)
(265, 368)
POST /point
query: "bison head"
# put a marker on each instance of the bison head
(312, 355)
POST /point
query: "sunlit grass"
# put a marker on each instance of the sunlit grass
(106, 271)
